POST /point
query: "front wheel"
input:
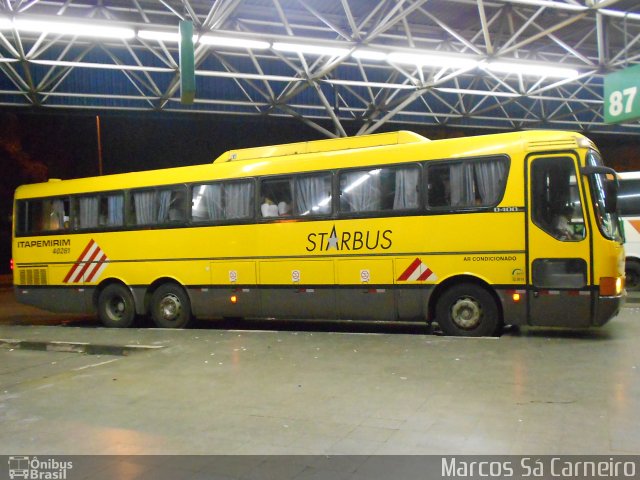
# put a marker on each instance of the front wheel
(116, 307)
(170, 307)
(468, 310)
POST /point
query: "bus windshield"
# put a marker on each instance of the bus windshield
(607, 221)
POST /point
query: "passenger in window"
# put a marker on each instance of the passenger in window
(440, 193)
(446, 189)
(57, 216)
(563, 227)
(103, 216)
(284, 209)
(176, 207)
(268, 208)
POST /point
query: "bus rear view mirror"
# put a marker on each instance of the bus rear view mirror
(610, 185)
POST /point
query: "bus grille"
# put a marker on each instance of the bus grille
(33, 276)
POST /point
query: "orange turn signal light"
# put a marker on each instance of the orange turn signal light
(234, 299)
(611, 286)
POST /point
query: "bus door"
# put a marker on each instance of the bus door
(558, 244)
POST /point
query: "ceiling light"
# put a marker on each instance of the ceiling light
(159, 35)
(233, 42)
(366, 54)
(310, 49)
(530, 69)
(86, 29)
(5, 23)
(432, 60)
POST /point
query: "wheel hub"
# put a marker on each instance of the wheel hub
(116, 308)
(170, 307)
(466, 313)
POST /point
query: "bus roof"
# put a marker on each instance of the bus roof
(318, 146)
(276, 159)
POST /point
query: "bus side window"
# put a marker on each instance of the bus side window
(438, 186)
(156, 207)
(30, 217)
(206, 203)
(177, 205)
(470, 183)
(360, 191)
(381, 189)
(144, 209)
(312, 194)
(97, 211)
(111, 210)
(239, 199)
(86, 212)
(222, 201)
(406, 188)
(58, 214)
(46, 215)
(276, 198)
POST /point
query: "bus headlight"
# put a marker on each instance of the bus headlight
(611, 286)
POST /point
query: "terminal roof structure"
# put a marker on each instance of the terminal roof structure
(337, 65)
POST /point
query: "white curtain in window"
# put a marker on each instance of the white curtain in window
(238, 200)
(213, 201)
(361, 191)
(461, 183)
(313, 195)
(88, 212)
(406, 189)
(145, 205)
(164, 202)
(489, 178)
(115, 210)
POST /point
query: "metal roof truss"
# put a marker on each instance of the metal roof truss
(332, 93)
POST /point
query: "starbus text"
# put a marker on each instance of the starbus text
(368, 240)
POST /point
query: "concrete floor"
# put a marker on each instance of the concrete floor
(256, 392)
(398, 390)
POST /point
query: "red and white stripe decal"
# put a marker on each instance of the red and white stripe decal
(417, 272)
(89, 266)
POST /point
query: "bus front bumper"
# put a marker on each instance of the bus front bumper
(608, 307)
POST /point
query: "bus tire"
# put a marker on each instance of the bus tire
(632, 275)
(170, 307)
(116, 307)
(468, 310)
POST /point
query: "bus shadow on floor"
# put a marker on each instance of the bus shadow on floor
(598, 334)
(339, 326)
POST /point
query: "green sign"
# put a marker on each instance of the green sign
(622, 95)
(187, 64)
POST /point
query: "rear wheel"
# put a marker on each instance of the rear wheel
(116, 307)
(632, 275)
(468, 310)
(170, 307)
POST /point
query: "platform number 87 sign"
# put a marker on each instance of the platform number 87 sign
(622, 95)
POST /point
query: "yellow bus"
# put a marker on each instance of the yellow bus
(471, 233)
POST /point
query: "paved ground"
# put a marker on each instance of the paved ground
(399, 390)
